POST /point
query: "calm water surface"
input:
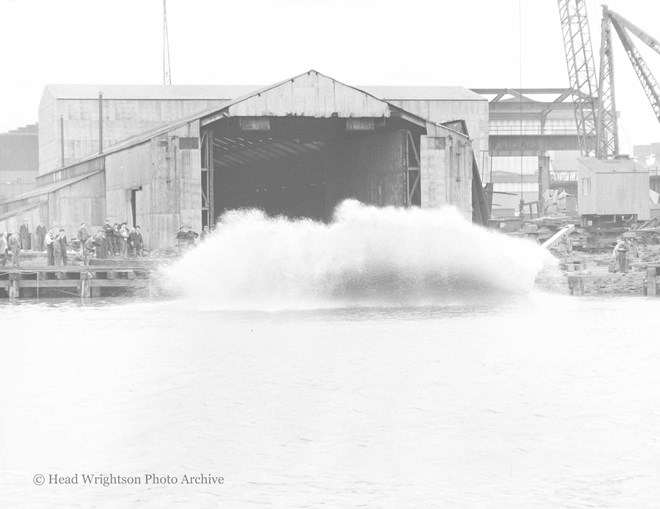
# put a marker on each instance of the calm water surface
(543, 402)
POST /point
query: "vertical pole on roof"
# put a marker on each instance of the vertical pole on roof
(211, 176)
(62, 139)
(100, 123)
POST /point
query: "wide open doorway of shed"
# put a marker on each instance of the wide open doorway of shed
(303, 167)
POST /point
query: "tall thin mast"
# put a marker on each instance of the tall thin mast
(167, 77)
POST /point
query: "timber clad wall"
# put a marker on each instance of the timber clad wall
(81, 202)
(122, 118)
(32, 213)
(613, 187)
(167, 182)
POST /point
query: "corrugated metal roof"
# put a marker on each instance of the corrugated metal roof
(154, 92)
(28, 129)
(611, 165)
(227, 92)
(210, 113)
(49, 188)
(19, 210)
(423, 93)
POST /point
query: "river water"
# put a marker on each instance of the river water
(358, 396)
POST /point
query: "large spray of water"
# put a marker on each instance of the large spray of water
(366, 255)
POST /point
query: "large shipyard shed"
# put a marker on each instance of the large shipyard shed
(296, 148)
(73, 118)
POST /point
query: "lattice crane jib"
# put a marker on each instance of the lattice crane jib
(646, 77)
(607, 128)
(581, 70)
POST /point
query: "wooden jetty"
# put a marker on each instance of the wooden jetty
(646, 282)
(99, 279)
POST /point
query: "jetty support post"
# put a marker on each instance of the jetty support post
(14, 285)
(651, 282)
(576, 285)
(86, 284)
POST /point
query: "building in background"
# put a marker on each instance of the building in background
(19, 161)
(533, 136)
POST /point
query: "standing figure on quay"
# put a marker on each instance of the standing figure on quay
(620, 254)
(24, 234)
(41, 236)
(82, 236)
(3, 249)
(50, 247)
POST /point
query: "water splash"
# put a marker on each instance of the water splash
(365, 256)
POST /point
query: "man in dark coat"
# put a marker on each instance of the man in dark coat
(139, 243)
(135, 241)
(41, 236)
(82, 234)
(88, 249)
(191, 236)
(181, 237)
(108, 238)
(101, 245)
(61, 238)
(24, 234)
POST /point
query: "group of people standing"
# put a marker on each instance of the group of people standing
(12, 243)
(111, 240)
(56, 246)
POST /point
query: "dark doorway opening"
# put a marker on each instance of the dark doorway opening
(304, 167)
(136, 195)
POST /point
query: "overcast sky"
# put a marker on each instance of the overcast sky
(472, 43)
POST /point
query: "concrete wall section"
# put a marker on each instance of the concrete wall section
(446, 172)
(166, 180)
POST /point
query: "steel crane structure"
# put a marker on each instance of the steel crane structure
(594, 96)
(581, 70)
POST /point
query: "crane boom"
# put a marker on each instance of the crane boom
(607, 126)
(581, 70)
(647, 39)
(646, 78)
